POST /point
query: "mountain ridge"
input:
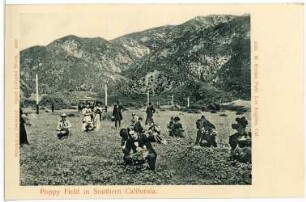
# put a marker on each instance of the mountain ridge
(202, 50)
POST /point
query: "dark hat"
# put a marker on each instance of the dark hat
(202, 117)
(242, 121)
(235, 126)
(176, 118)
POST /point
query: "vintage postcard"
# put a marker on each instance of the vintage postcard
(154, 101)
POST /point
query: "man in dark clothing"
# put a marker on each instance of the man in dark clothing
(138, 128)
(117, 113)
(150, 111)
(23, 139)
(205, 134)
(177, 128)
(169, 126)
(139, 149)
(124, 134)
(52, 106)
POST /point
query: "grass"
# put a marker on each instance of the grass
(94, 158)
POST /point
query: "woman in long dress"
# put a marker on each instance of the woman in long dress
(98, 113)
(23, 139)
(87, 121)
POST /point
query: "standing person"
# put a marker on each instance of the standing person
(98, 109)
(117, 113)
(81, 106)
(52, 107)
(150, 111)
(87, 122)
(23, 139)
(98, 116)
(63, 127)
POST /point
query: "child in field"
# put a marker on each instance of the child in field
(63, 127)
(134, 119)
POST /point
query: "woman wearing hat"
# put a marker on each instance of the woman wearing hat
(87, 122)
(63, 127)
(177, 128)
(206, 135)
(241, 141)
(97, 117)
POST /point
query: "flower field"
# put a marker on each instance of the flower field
(95, 158)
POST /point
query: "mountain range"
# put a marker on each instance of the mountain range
(206, 58)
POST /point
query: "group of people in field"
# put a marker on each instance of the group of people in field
(136, 139)
(92, 116)
(91, 120)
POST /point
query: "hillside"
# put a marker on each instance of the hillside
(209, 60)
(73, 63)
(205, 56)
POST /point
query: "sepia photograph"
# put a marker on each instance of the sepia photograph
(163, 104)
(173, 101)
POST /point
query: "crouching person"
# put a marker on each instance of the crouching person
(124, 134)
(63, 127)
(138, 150)
(169, 126)
(241, 142)
(206, 135)
(177, 128)
(154, 132)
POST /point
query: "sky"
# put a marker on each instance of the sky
(41, 27)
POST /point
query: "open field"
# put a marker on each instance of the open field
(94, 158)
